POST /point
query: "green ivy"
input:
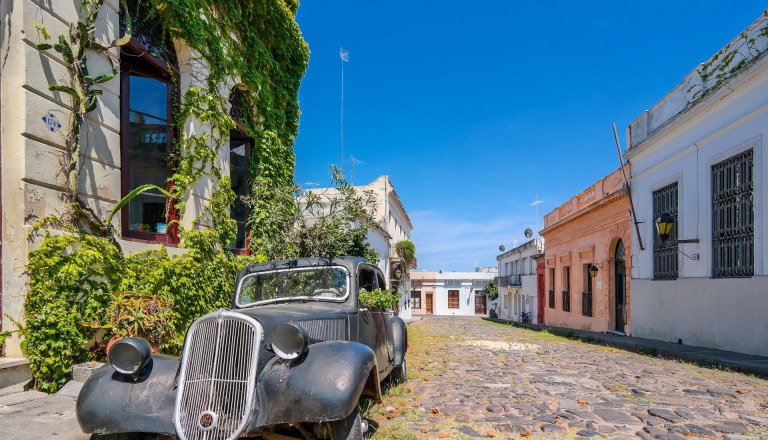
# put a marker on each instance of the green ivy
(75, 277)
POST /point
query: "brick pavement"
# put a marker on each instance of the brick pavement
(476, 377)
(471, 377)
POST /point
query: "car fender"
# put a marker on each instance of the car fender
(325, 386)
(400, 339)
(111, 402)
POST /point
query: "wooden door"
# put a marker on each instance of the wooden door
(480, 308)
(540, 297)
(429, 303)
(620, 287)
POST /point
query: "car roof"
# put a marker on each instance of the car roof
(349, 262)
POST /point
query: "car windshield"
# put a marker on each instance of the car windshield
(327, 283)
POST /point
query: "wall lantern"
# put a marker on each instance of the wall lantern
(398, 272)
(664, 225)
(593, 271)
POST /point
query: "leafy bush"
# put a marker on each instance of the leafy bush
(378, 299)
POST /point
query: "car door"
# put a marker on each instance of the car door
(386, 321)
(371, 326)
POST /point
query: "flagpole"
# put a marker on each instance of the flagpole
(342, 55)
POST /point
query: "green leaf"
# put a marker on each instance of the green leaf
(65, 89)
(128, 26)
(104, 78)
(44, 46)
(91, 106)
(142, 189)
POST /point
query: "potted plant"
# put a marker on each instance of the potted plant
(142, 314)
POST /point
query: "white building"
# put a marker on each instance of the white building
(517, 281)
(394, 226)
(698, 155)
(461, 293)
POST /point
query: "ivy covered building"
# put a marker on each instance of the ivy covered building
(101, 98)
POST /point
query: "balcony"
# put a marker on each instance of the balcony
(508, 281)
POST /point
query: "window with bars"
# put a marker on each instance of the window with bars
(566, 289)
(586, 295)
(733, 217)
(453, 299)
(552, 288)
(665, 252)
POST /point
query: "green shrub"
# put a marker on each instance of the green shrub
(378, 299)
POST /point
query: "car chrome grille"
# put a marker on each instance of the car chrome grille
(217, 378)
(326, 329)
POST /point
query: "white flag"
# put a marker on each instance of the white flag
(344, 54)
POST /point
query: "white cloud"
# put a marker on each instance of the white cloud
(449, 243)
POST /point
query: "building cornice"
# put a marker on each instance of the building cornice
(610, 198)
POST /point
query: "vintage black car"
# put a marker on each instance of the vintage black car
(293, 357)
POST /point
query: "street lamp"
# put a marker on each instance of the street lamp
(593, 271)
(664, 225)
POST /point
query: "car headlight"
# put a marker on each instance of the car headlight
(130, 355)
(290, 341)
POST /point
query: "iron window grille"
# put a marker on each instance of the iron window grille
(586, 304)
(551, 299)
(665, 252)
(566, 301)
(733, 217)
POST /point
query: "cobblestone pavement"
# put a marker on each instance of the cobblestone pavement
(473, 378)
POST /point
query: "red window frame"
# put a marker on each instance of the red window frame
(136, 59)
(238, 133)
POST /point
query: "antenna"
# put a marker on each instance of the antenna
(536, 203)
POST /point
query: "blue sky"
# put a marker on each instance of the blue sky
(477, 109)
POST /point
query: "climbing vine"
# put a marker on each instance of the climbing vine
(75, 278)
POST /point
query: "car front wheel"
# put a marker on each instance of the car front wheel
(348, 429)
(400, 374)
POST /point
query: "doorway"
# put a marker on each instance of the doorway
(620, 271)
(429, 303)
(540, 296)
(480, 308)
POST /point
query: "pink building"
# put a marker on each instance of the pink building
(591, 229)
(423, 285)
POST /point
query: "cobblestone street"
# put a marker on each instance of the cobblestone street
(473, 378)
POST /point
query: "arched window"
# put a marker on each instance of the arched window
(147, 69)
(240, 147)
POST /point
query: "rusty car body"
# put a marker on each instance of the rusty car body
(293, 356)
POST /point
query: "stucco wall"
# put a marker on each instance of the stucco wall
(424, 282)
(33, 149)
(726, 314)
(585, 230)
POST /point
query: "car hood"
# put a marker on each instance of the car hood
(324, 321)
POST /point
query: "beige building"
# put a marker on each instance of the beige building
(126, 140)
(395, 226)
